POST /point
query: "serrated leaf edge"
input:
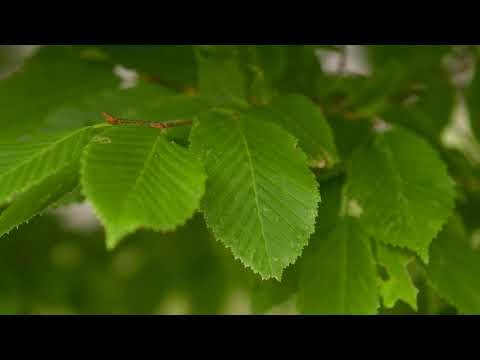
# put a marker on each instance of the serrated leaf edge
(131, 229)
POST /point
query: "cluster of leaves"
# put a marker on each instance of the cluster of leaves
(334, 189)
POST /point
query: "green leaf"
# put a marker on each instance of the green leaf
(24, 164)
(402, 190)
(53, 77)
(38, 198)
(303, 119)
(454, 268)
(221, 76)
(338, 274)
(135, 178)
(399, 285)
(261, 198)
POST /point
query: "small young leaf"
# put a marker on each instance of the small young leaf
(454, 268)
(338, 274)
(135, 178)
(261, 198)
(38, 198)
(402, 190)
(399, 285)
(24, 164)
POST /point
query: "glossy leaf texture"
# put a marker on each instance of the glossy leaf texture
(261, 198)
(136, 178)
(401, 189)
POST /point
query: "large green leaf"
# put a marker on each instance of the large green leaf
(303, 119)
(53, 77)
(454, 268)
(402, 189)
(38, 198)
(261, 198)
(135, 178)
(338, 274)
(25, 163)
(399, 285)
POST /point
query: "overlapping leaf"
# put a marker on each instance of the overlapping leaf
(402, 189)
(135, 178)
(25, 163)
(261, 198)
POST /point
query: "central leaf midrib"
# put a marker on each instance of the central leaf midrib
(398, 180)
(255, 191)
(131, 191)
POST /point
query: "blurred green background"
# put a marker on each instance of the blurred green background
(58, 264)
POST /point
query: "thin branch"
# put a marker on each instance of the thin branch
(157, 125)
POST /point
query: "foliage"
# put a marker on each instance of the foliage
(336, 192)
